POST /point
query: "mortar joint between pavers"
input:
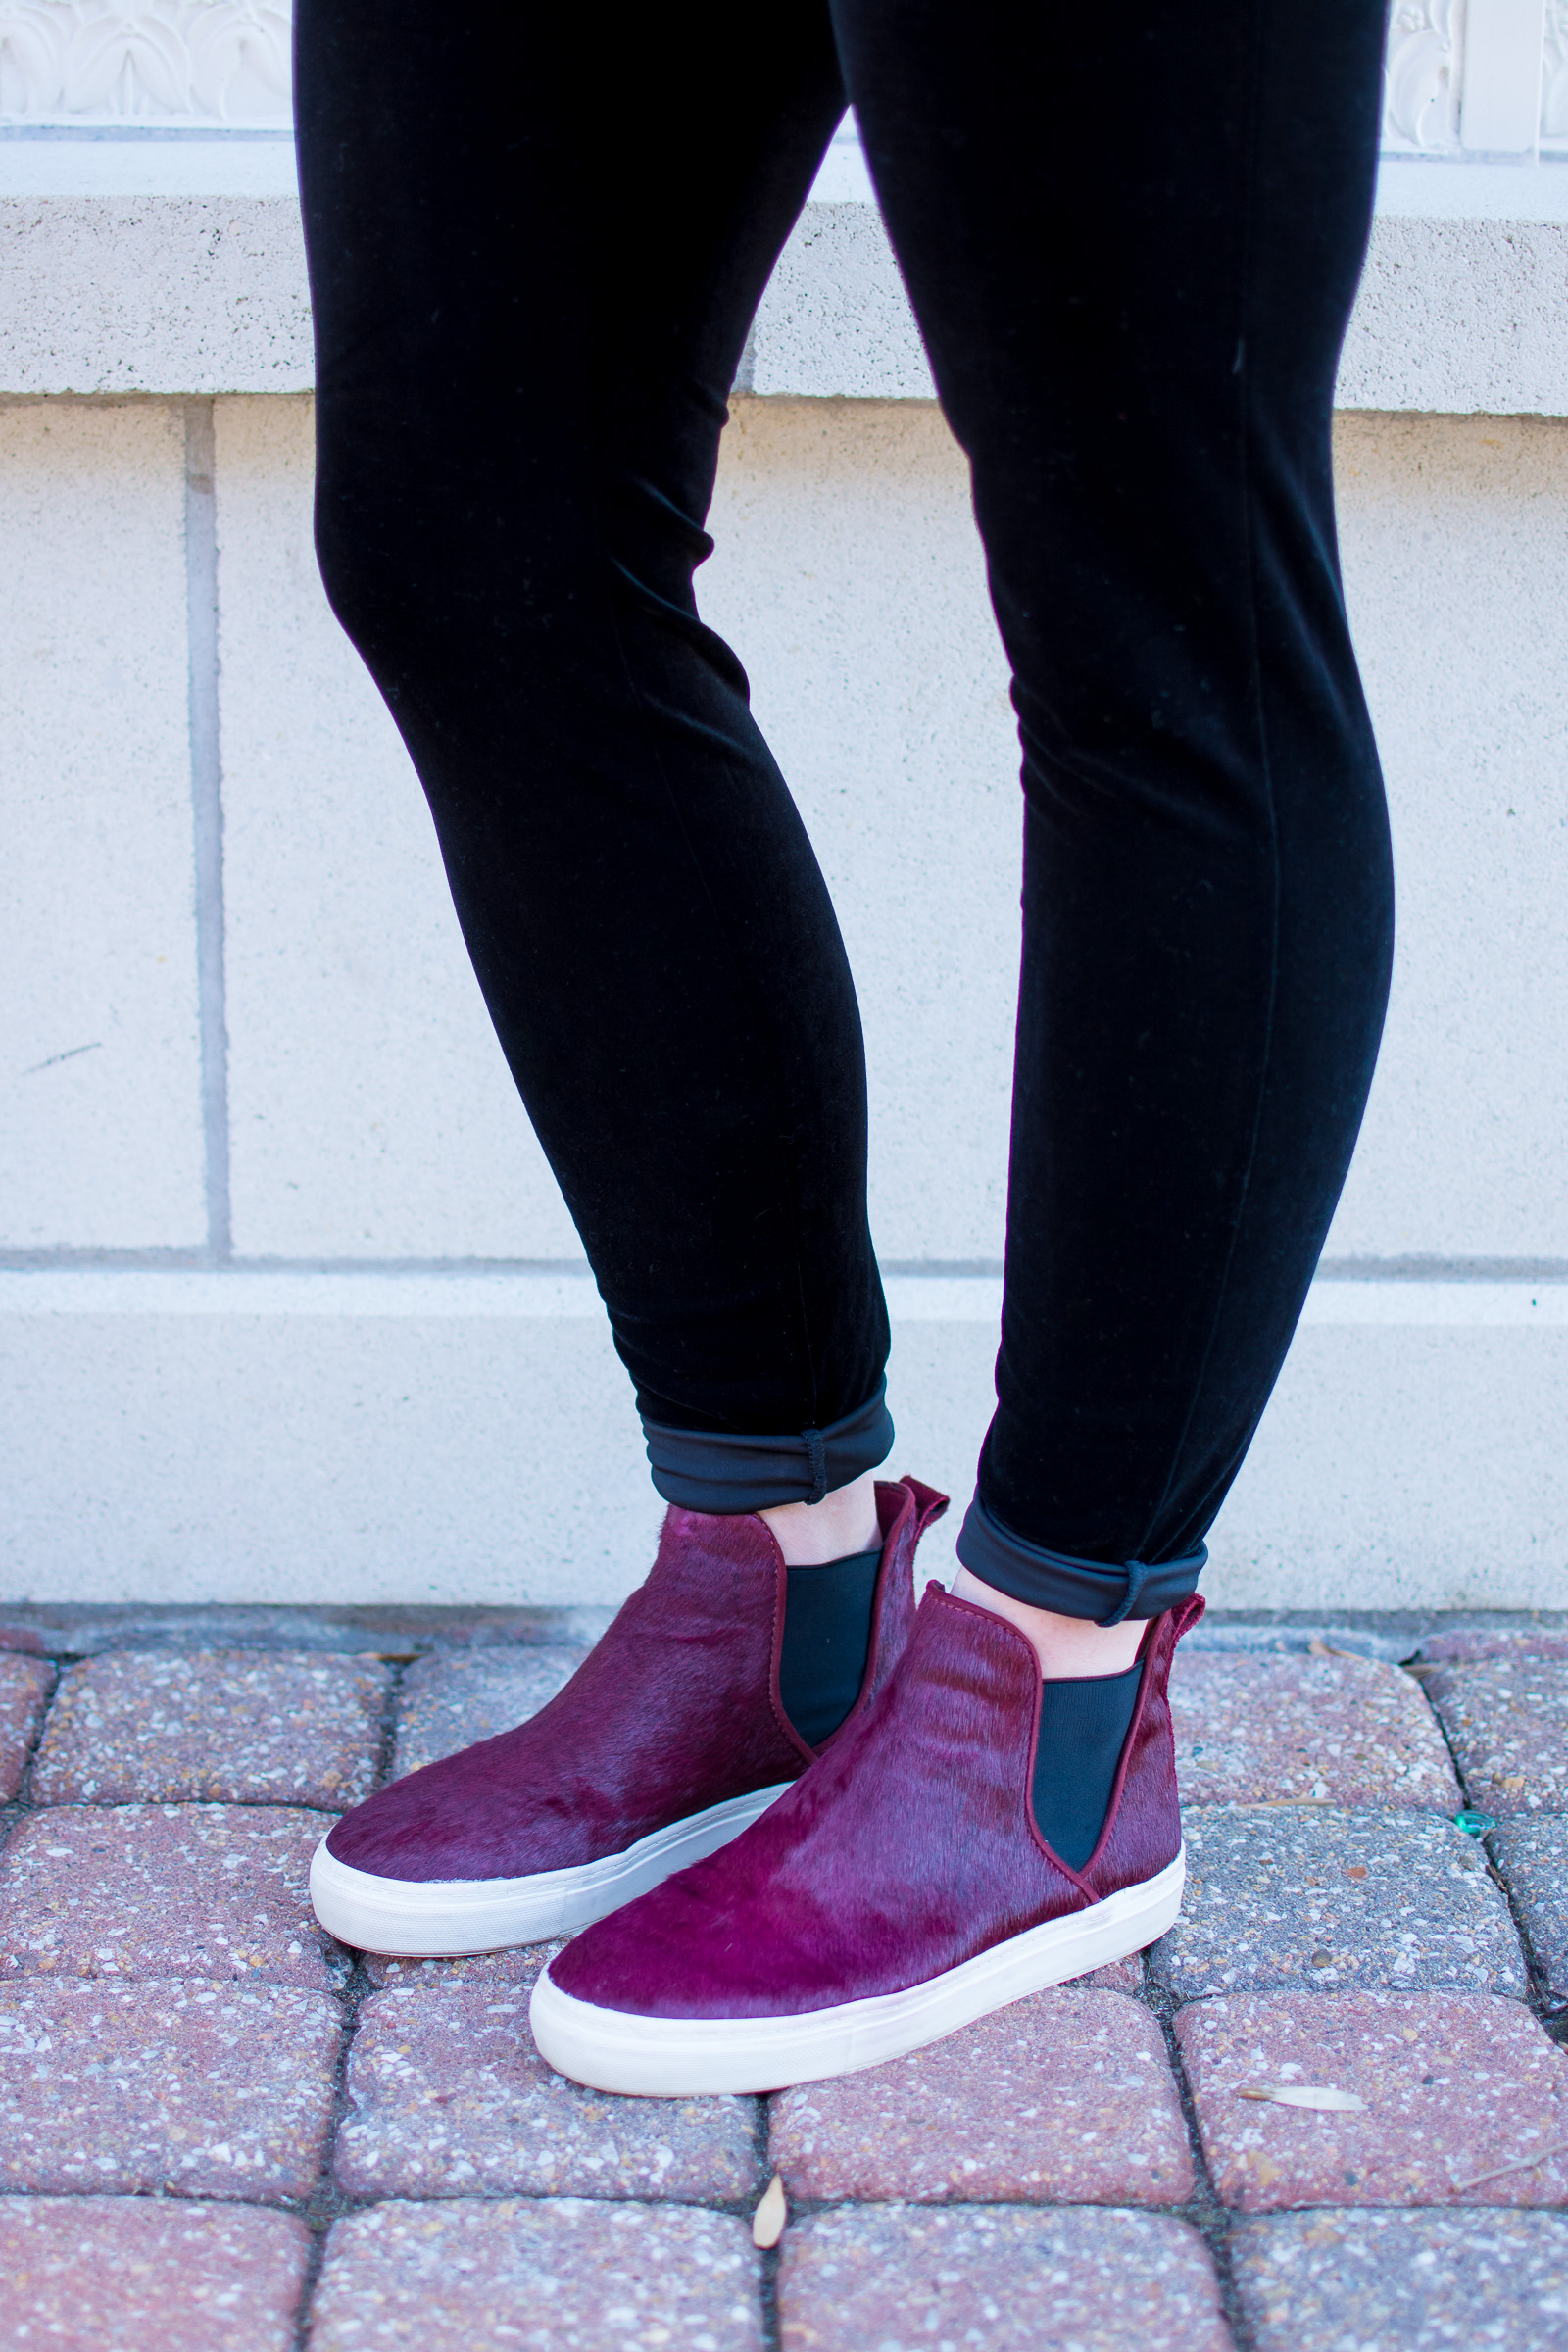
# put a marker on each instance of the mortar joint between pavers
(1205, 2210)
(22, 1803)
(1538, 1988)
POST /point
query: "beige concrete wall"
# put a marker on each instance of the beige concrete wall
(236, 1434)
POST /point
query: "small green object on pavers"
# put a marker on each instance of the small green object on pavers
(1474, 1825)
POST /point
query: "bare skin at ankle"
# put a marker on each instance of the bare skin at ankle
(1069, 1649)
(810, 1534)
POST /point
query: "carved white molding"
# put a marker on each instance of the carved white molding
(1421, 74)
(1554, 77)
(197, 64)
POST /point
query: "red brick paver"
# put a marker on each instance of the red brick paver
(165, 1890)
(211, 2091)
(126, 2274)
(996, 2280)
(1286, 1895)
(232, 1727)
(1508, 1722)
(447, 1703)
(1293, 1728)
(558, 2277)
(450, 2096)
(1401, 2281)
(1465, 2099)
(1533, 1855)
(1064, 2097)
(25, 1688)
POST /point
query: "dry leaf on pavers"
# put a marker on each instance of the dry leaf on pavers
(1321, 2097)
(1291, 1728)
(1453, 2083)
(25, 1688)
(1509, 1720)
(1282, 1897)
(449, 1702)
(1065, 2096)
(772, 2213)
(164, 1892)
(596, 2277)
(86, 2274)
(233, 1727)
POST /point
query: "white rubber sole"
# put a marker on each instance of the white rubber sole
(442, 1918)
(674, 2058)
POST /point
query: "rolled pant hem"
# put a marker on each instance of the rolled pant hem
(721, 1472)
(1073, 1588)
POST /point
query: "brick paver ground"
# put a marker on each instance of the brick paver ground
(25, 1688)
(1463, 2099)
(204, 2091)
(1329, 1731)
(1064, 2098)
(197, 2086)
(1011, 2281)
(1401, 2281)
(227, 1725)
(1508, 1719)
(563, 2276)
(98, 2274)
(1284, 1895)
(166, 1891)
(447, 1703)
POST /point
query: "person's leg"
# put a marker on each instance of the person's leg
(532, 280)
(1132, 242)
(1134, 338)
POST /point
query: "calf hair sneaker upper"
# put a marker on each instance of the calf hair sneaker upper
(901, 1889)
(668, 1741)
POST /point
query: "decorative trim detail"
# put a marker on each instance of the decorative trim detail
(1555, 78)
(1421, 75)
(223, 64)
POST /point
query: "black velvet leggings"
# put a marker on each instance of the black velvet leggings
(1132, 237)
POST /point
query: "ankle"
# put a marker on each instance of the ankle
(1069, 1649)
(811, 1533)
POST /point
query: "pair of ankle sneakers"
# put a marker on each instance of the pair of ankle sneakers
(757, 1912)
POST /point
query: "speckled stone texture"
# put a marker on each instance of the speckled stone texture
(450, 2097)
(211, 2091)
(165, 1890)
(1065, 2097)
(562, 2276)
(1403, 2281)
(1285, 1895)
(447, 1703)
(518, 1966)
(234, 1727)
(1293, 1728)
(1457, 2087)
(1533, 1856)
(25, 1688)
(1509, 1720)
(979, 2278)
(125, 2274)
(1465, 1643)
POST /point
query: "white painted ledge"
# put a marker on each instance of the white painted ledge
(469, 1437)
(176, 266)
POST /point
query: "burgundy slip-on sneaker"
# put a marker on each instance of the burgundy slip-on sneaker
(898, 1890)
(668, 1741)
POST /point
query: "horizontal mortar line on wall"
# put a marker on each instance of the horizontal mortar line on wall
(564, 1294)
(195, 1260)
